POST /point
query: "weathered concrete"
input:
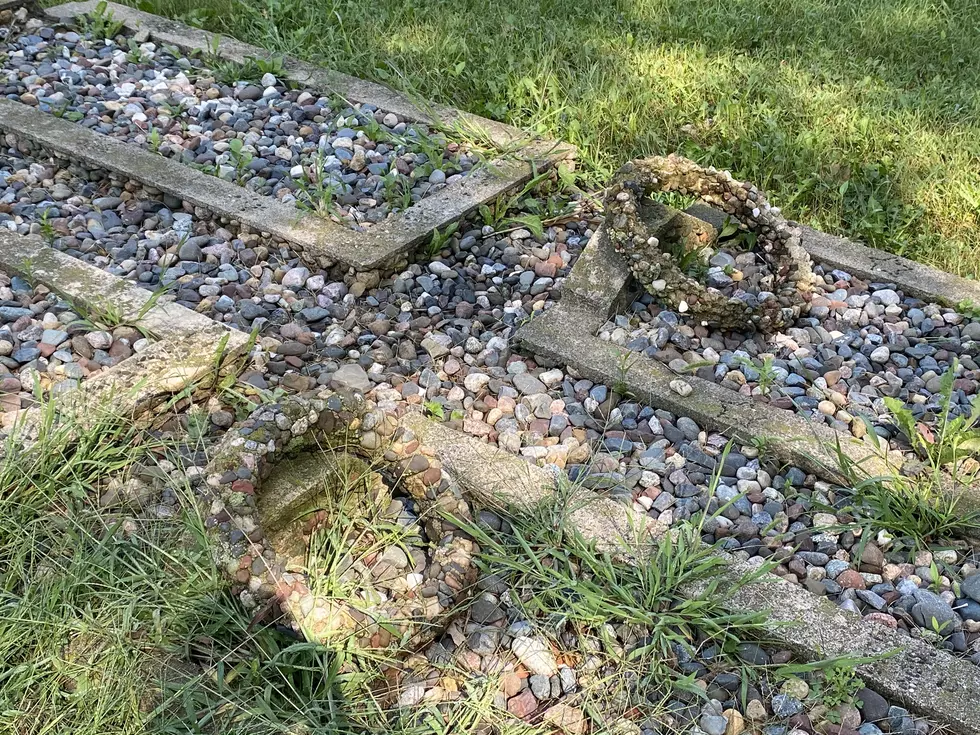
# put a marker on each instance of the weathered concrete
(188, 348)
(327, 481)
(598, 286)
(927, 681)
(915, 279)
(566, 335)
(318, 240)
(499, 479)
(92, 287)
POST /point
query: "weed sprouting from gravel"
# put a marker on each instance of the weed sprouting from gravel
(665, 599)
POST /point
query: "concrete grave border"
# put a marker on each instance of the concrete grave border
(600, 283)
(188, 347)
(320, 242)
(241, 478)
(929, 682)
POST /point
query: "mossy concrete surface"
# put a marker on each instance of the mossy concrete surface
(319, 238)
(498, 479)
(338, 484)
(929, 682)
(187, 348)
(93, 289)
(566, 335)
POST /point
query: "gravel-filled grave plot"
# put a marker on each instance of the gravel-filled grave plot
(744, 305)
(354, 164)
(857, 344)
(47, 347)
(470, 294)
(493, 640)
(822, 536)
(438, 335)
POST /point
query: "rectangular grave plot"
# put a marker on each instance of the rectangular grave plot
(380, 159)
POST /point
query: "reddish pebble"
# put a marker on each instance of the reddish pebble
(851, 580)
(523, 705)
(242, 486)
(883, 618)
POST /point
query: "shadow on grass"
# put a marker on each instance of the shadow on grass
(859, 118)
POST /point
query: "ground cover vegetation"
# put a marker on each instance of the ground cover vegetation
(856, 118)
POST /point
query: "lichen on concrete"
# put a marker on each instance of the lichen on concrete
(655, 246)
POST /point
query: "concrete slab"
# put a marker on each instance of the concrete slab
(188, 348)
(927, 681)
(319, 240)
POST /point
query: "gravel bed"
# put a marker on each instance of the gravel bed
(479, 287)
(357, 164)
(859, 342)
(538, 667)
(544, 670)
(663, 464)
(45, 346)
(436, 335)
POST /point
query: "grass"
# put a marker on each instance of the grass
(116, 621)
(858, 117)
(629, 618)
(919, 505)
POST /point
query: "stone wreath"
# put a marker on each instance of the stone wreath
(259, 563)
(657, 268)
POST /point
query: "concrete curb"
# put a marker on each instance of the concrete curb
(319, 240)
(927, 681)
(601, 283)
(187, 348)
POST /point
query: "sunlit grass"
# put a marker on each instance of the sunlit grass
(860, 118)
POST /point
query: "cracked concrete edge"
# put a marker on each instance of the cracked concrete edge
(915, 279)
(927, 681)
(502, 480)
(94, 288)
(878, 266)
(186, 348)
(398, 234)
(911, 672)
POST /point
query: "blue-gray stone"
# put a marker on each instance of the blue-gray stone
(931, 611)
(13, 313)
(785, 706)
(968, 609)
(970, 587)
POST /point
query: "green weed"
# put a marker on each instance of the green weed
(810, 101)
(101, 22)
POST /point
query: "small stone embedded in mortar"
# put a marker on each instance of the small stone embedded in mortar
(764, 287)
